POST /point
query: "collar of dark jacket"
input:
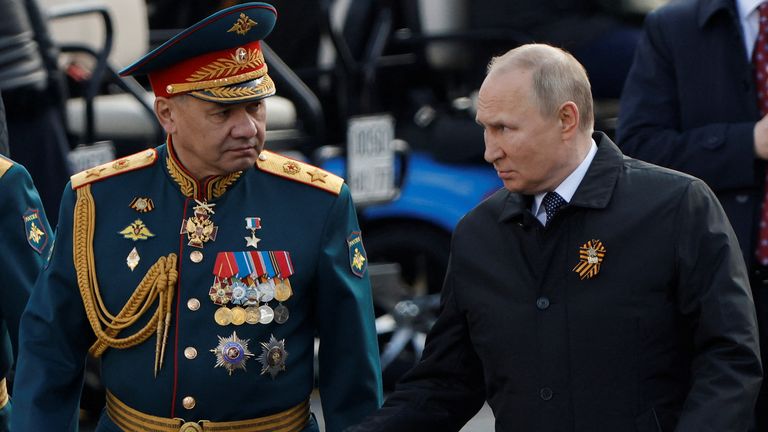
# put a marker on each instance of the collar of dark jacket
(596, 187)
(709, 8)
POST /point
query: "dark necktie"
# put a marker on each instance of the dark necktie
(552, 202)
(760, 61)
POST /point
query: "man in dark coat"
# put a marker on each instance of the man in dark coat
(594, 292)
(690, 104)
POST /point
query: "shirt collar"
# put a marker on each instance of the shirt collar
(568, 187)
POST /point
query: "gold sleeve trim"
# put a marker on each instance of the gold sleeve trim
(5, 165)
(282, 166)
(109, 169)
(157, 285)
(3, 394)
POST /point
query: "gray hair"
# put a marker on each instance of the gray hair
(557, 78)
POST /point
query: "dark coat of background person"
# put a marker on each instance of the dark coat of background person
(663, 338)
(690, 104)
(24, 255)
(33, 90)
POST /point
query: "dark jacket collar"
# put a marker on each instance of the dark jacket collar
(709, 8)
(595, 189)
(206, 189)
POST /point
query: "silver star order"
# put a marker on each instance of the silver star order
(273, 355)
(232, 353)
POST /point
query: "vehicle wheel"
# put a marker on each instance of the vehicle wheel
(421, 250)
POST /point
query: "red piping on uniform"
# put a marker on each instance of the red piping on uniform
(178, 308)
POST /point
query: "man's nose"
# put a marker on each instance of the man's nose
(245, 125)
(492, 151)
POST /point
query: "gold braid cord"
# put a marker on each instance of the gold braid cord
(157, 286)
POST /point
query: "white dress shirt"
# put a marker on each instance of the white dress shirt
(567, 188)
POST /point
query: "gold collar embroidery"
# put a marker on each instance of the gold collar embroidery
(210, 188)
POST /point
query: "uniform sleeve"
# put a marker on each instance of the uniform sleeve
(446, 388)
(650, 125)
(350, 374)
(715, 301)
(29, 249)
(55, 336)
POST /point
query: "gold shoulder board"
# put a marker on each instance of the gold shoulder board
(129, 163)
(299, 171)
(5, 165)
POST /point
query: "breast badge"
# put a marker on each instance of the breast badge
(232, 353)
(142, 204)
(273, 355)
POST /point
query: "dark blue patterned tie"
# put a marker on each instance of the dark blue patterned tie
(552, 202)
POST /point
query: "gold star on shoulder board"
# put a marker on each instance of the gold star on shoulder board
(318, 175)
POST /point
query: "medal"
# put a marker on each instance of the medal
(133, 259)
(238, 315)
(253, 224)
(281, 314)
(232, 353)
(273, 355)
(199, 228)
(283, 290)
(266, 291)
(239, 293)
(223, 316)
(591, 255)
(142, 205)
(220, 292)
(252, 315)
(266, 314)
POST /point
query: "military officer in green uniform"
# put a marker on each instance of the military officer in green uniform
(201, 271)
(25, 239)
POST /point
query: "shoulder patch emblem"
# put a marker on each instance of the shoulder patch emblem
(36, 234)
(301, 172)
(129, 163)
(358, 260)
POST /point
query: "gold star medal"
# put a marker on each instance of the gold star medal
(591, 255)
(253, 224)
(273, 355)
(232, 353)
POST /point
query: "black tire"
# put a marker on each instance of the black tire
(421, 250)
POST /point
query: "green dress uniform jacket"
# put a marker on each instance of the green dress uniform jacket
(629, 312)
(148, 201)
(26, 239)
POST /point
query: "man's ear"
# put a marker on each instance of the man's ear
(568, 114)
(164, 110)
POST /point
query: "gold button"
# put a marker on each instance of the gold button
(188, 402)
(193, 304)
(190, 352)
(196, 256)
(191, 427)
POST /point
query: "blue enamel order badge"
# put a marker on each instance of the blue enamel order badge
(358, 261)
(37, 237)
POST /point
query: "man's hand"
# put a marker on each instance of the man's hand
(761, 138)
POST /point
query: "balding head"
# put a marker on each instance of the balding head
(557, 78)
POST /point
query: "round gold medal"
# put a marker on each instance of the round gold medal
(223, 316)
(283, 291)
(238, 315)
(252, 315)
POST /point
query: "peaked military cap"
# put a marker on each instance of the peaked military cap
(219, 59)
